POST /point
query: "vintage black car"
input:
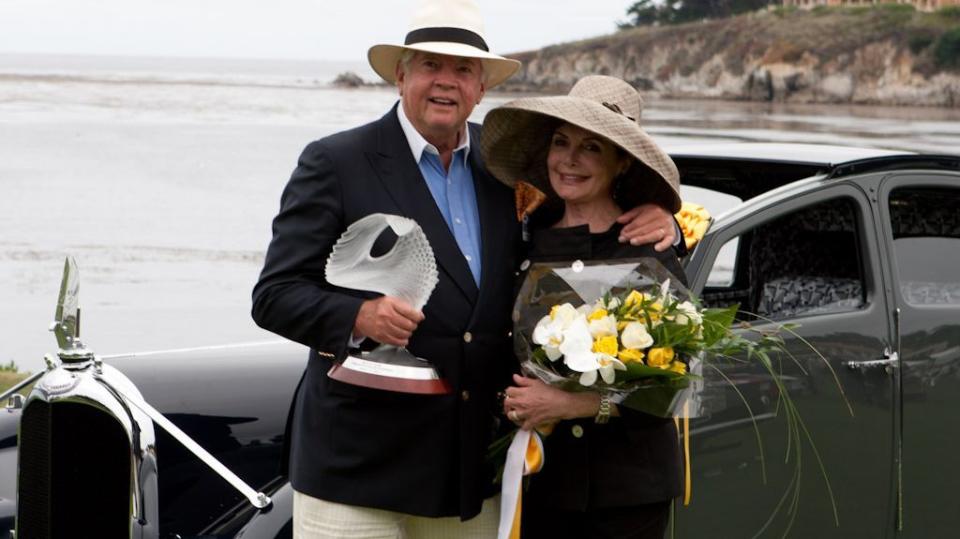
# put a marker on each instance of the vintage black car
(861, 248)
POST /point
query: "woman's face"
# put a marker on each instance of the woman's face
(582, 165)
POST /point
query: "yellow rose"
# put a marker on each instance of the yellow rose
(631, 354)
(633, 298)
(606, 345)
(694, 220)
(654, 310)
(660, 357)
(679, 367)
(597, 315)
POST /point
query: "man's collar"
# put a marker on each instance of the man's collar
(418, 144)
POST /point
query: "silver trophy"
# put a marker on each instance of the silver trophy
(409, 272)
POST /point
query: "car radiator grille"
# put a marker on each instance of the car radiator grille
(74, 471)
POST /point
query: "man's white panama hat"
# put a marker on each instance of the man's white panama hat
(450, 27)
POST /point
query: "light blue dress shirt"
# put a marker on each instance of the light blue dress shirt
(453, 190)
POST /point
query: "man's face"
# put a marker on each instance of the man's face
(438, 93)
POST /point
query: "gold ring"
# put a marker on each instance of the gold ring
(514, 416)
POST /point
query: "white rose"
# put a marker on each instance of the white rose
(688, 314)
(603, 327)
(635, 335)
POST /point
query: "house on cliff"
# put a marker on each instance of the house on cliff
(921, 5)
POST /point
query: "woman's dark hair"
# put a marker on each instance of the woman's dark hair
(639, 184)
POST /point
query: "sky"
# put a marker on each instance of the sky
(294, 29)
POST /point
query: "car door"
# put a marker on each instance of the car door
(922, 230)
(810, 258)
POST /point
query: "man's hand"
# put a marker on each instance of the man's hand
(387, 320)
(648, 223)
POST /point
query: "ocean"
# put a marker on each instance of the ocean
(161, 177)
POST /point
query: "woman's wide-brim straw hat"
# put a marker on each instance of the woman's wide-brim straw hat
(516, 138)
(450, 27)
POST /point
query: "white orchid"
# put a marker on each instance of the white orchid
(635, 335)
(577, 346)
(549, 332)
(606, 365)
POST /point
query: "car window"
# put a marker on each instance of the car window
(723, 272)
(926, 243)
(803, 263)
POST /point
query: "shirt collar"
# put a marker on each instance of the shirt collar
(418, 144)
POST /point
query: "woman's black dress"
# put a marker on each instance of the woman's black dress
(612, 480)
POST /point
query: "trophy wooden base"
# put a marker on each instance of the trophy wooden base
(375, 371)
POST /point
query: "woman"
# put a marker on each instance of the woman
(609, 471)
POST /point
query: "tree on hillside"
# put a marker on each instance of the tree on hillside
(655, 12)
(642, 13)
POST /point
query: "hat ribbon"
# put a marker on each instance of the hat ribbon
(616, 108)
(446, 34)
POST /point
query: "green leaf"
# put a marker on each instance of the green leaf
(717, 323)
(637, 371)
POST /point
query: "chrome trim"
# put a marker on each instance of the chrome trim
(244, 345)
(891, 360)
(104, 386)
(899, 432)
(257, 499)
(21, 384)
(15, 402)
(101, 391)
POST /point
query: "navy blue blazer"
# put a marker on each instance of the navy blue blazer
(415, 454)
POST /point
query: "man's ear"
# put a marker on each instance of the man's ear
(398, 75)
(483, 90)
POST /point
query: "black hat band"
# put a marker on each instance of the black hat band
(446, 34)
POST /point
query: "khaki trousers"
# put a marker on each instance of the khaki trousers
(319, 519)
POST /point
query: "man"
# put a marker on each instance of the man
(375, 463)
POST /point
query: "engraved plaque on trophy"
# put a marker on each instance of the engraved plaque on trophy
(409, 272)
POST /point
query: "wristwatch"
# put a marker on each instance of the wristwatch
(603, 413)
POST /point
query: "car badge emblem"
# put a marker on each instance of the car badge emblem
(57, 382)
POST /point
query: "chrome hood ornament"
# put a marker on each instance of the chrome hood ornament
(66, 324)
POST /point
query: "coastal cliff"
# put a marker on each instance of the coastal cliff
(867, 55)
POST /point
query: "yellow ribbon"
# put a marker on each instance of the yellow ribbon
(687, 481)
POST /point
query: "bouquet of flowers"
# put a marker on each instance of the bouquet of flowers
(641, 339)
